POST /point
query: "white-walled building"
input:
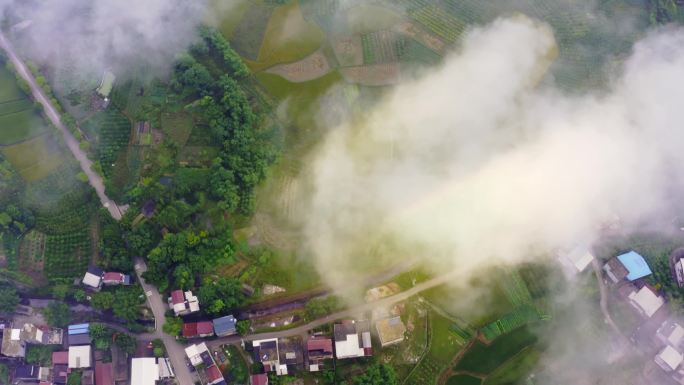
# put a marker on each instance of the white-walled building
(144, 371)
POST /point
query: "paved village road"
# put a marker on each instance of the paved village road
(175, 350)
(352, 311)
(39, 95)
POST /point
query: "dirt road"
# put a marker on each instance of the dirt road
(351, 312)
(175, 350)
(39, 95)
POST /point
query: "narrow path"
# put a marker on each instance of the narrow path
(350, 312)
(174, 349)
(604, 301)
(39, 95)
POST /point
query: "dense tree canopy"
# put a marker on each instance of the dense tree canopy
(57, 314)
(377, 374)
(9, 299)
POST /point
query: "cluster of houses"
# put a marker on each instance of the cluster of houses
(205, 365)
(95, 277)
(76, 354)
(351, 339)
(659, 333)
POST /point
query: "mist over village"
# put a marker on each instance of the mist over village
(349, 192)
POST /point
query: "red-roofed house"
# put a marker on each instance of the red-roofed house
(183, 302)
(318, 349)
(214, 375)
(259, 379)
(198, 329)
(114, 278)
(190, 329)
(104, 375)
(205, 329)
(60, 358)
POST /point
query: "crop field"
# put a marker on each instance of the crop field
(249, 33)
(35, 158)
(18, 119)
(288, 36)
(484, 359)
(515, 368)
(381, 47)
(177, 126)
(463, 379)
(67, 255)
(437, 20)
(312, 67)
(373, 75)
(444, 345)
(112, 131)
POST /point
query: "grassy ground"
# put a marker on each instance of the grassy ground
(288, 37)
(514, 369)
(35, 158)
(464, 379)
(229, 16)
(485, 359)
(18, 120)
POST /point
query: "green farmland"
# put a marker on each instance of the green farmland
(18, 119)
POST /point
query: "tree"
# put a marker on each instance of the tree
(9, 299)
(377, 374)
(242, 326)
(319, 307)
(60, 291)
(222, 294)
(125, 342)
(4, 374)
(102, 336)
(57, 314)
(74, 378)
(102, 300)
(127, 301)
(173, 326)
(39, 354)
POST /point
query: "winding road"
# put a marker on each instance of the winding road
(175, 350)
(39, 95)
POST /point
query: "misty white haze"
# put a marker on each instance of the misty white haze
(82, 38)
(479, 165)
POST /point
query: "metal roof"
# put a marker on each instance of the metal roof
(635, 264)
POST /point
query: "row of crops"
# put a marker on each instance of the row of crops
(67, 255)
(381, 47)
(113, 131)
(14, 106)
(520, 317)
(515, 288)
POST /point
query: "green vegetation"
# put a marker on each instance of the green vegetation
(4, 374)
(463, 379)
(19, 118)
(485, 359)
(238, 371)
(173, 326)
(514, 369)
(319, 307)
(377, 374)
(57, 314)
(9, 299)
(40, 355)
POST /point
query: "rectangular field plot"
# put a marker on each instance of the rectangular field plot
(67, 255)
(35, 158)
(19, 124)
(177, 126)
(485, 359)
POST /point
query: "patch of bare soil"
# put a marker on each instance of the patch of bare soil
(311, 67)
(373, 75)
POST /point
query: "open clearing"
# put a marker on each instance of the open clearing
(312, 67)
(34, 158)
(18, 120)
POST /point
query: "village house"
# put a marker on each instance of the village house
(79, 357)
(78, 334)
(93, 277)
(352, 339)
(267, 352)
(575, 261)
(200, 357)
(198, 329)
(318, 350)
(111, 278)
(104, 373)
(183, 303)
(629, 266)
(144, 371)
(225, 326)
(15, 340)
(259, 379)
(646, 301)
(390, 331)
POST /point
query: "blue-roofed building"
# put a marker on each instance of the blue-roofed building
(630, 266)
(225, 326)
(78, 329)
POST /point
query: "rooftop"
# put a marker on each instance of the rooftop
(79, 356)
(144, 371)
(60, 358)
(635, 264)
(646, 301)
(224, 325)
(104, 374)
(390, 330)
